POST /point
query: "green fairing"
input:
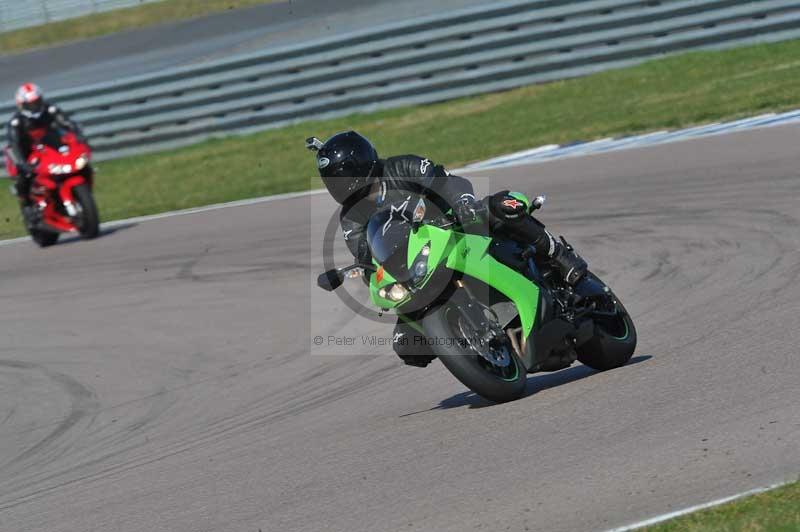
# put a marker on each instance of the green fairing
(471, 257)
(439, 248)
(439, 240)
(467, 254)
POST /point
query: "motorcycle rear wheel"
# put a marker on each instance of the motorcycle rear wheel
(614, 340)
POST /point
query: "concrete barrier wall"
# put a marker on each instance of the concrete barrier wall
(495, 47)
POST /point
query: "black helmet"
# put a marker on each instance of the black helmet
(346, 163)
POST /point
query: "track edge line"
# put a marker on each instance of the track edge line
(696, 508)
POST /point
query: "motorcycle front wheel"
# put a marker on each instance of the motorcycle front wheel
(89, 225)
(491, 370)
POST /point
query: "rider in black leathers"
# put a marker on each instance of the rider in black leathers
(33, 112)
(352, 172)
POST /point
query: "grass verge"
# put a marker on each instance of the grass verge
(777, 510)
(673, 92)
(118, 20)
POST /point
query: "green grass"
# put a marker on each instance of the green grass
(673, 92)
(774, 511)
(115, 21)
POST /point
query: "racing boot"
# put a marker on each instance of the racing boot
(569, 263)
(22, 188)
(31, 215)
(411, 346)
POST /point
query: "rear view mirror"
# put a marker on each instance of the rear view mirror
(330, 280)
(538, 203)
(314, 144)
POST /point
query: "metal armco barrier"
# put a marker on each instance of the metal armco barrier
(16, 14)
(468, 52)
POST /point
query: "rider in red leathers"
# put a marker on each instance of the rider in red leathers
(33, 113)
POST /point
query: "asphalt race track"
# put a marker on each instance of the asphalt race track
(159, 378)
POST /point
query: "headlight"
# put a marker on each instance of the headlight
(395, 292)
(419, 269)
(398, 292)
(60, 169)
(81, 162)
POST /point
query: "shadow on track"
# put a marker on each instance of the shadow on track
(104, 231)
(536, 383)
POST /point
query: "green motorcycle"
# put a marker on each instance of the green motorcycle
(483, 306)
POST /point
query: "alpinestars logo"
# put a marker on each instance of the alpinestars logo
(395, 210)
(513, 204)
(424, 165)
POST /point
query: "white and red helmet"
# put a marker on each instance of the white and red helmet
(30, 100)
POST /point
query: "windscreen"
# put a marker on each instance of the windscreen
(53, 137)
(388, 232)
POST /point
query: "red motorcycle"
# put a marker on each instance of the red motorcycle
(62, 188)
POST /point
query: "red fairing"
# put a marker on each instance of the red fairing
(61, 163)
(66, 188)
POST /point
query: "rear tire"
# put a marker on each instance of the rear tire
(496, 384)
(90, 224)
(613, 343)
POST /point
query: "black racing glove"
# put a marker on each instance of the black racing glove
(26, 171)
(466, 209)
(25, 176)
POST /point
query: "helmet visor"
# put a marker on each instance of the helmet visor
(346, 189)
(33, 108)
(343, 169)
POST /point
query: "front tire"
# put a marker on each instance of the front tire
(614, 339)
(89, 226)
(497, 383)
(44, 239)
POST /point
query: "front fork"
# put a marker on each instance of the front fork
(67, 198)
(64, 194)
(476, 316)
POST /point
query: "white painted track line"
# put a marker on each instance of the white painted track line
(691, 509)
